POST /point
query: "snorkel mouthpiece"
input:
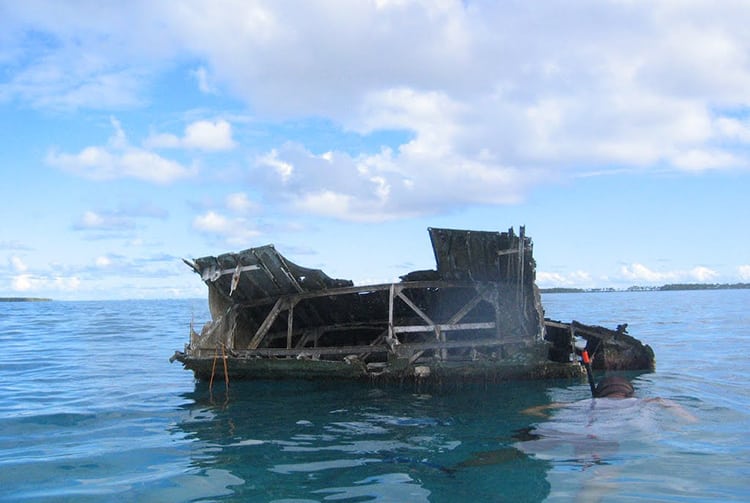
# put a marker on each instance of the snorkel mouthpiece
(589, 371)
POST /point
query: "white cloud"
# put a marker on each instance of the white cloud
(702, 274)
(207, 135)
(119, 160)
(234, 231)
(641, 273)
(32, 283)
(238, 202)
(211, 222)
(701, 160)
(385, 185)
(271, 159)
(744, 272)
(733, 128)
(17, 264)
(103, 262)
(575, 279)
(596, 87)
(201, 76)
(326, 203)
(199, 135)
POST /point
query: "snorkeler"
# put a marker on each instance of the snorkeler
(615, 387)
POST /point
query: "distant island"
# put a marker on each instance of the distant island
(23, 299)
(663, 288)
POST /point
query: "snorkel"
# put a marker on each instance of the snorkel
(589, 371)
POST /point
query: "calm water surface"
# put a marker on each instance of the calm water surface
(91, 410)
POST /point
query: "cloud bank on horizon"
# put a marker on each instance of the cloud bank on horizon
(363, 114)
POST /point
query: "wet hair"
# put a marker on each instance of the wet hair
(614, 386)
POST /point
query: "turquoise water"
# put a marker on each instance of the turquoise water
(91, 410)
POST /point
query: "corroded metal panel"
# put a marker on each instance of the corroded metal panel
(481, 255)
(261, 273)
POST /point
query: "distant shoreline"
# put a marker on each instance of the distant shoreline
(24, 299)
(663, 288)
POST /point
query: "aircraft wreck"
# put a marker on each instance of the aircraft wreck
(476, 317)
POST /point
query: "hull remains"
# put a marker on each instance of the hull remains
(476, 317)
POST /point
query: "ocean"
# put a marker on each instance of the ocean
(91, 410)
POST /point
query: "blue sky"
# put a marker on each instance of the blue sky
(137, 133)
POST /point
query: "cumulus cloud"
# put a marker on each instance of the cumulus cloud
(91, 220)
(386, 185)
(496, 98)
(235, 231)
(17, 264)
(33, 283)
(200, 135)
(103, 261)
(121, 219)
(118, 159)
(204, 82)
(238, 202)
(577, 279)
(641, 273)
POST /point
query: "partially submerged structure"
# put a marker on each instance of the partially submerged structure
(477, 316)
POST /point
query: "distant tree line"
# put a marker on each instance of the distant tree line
(705, 286)
(663, 288)
(23, 299)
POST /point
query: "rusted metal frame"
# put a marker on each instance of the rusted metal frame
(290, 324)
(283, 303)
(391, 295)
(417, 346)
(445, 327)
(440, 336)
(556, 324)
(263, 267)
(289, 275)
(380, 339)
(521, 267)
(344, 327)
(303, 340)
(361, 289)
(507, 252)
(264, 327)
(466, 309)
(220, 291)
(325, 351)
(314, 333)
(217, 271)
(359, 350)
(416, 356)
(416, 309)
(606, 335)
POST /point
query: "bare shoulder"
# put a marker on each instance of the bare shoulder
(676, 408)
(542, 410)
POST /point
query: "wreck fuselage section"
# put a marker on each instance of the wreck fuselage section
(477, 316)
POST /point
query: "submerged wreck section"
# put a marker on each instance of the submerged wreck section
(477, 316)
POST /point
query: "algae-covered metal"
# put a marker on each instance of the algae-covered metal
(477, 316)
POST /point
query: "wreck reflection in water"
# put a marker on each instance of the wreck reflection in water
(313, 441)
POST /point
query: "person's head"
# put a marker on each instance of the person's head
(614, 387)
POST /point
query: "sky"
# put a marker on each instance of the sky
(135, 134)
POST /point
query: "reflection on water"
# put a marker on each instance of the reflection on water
(345, 441)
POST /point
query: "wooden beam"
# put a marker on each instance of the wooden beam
(266, 325)
(415, 308)
(365, 349)
(443, 327)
